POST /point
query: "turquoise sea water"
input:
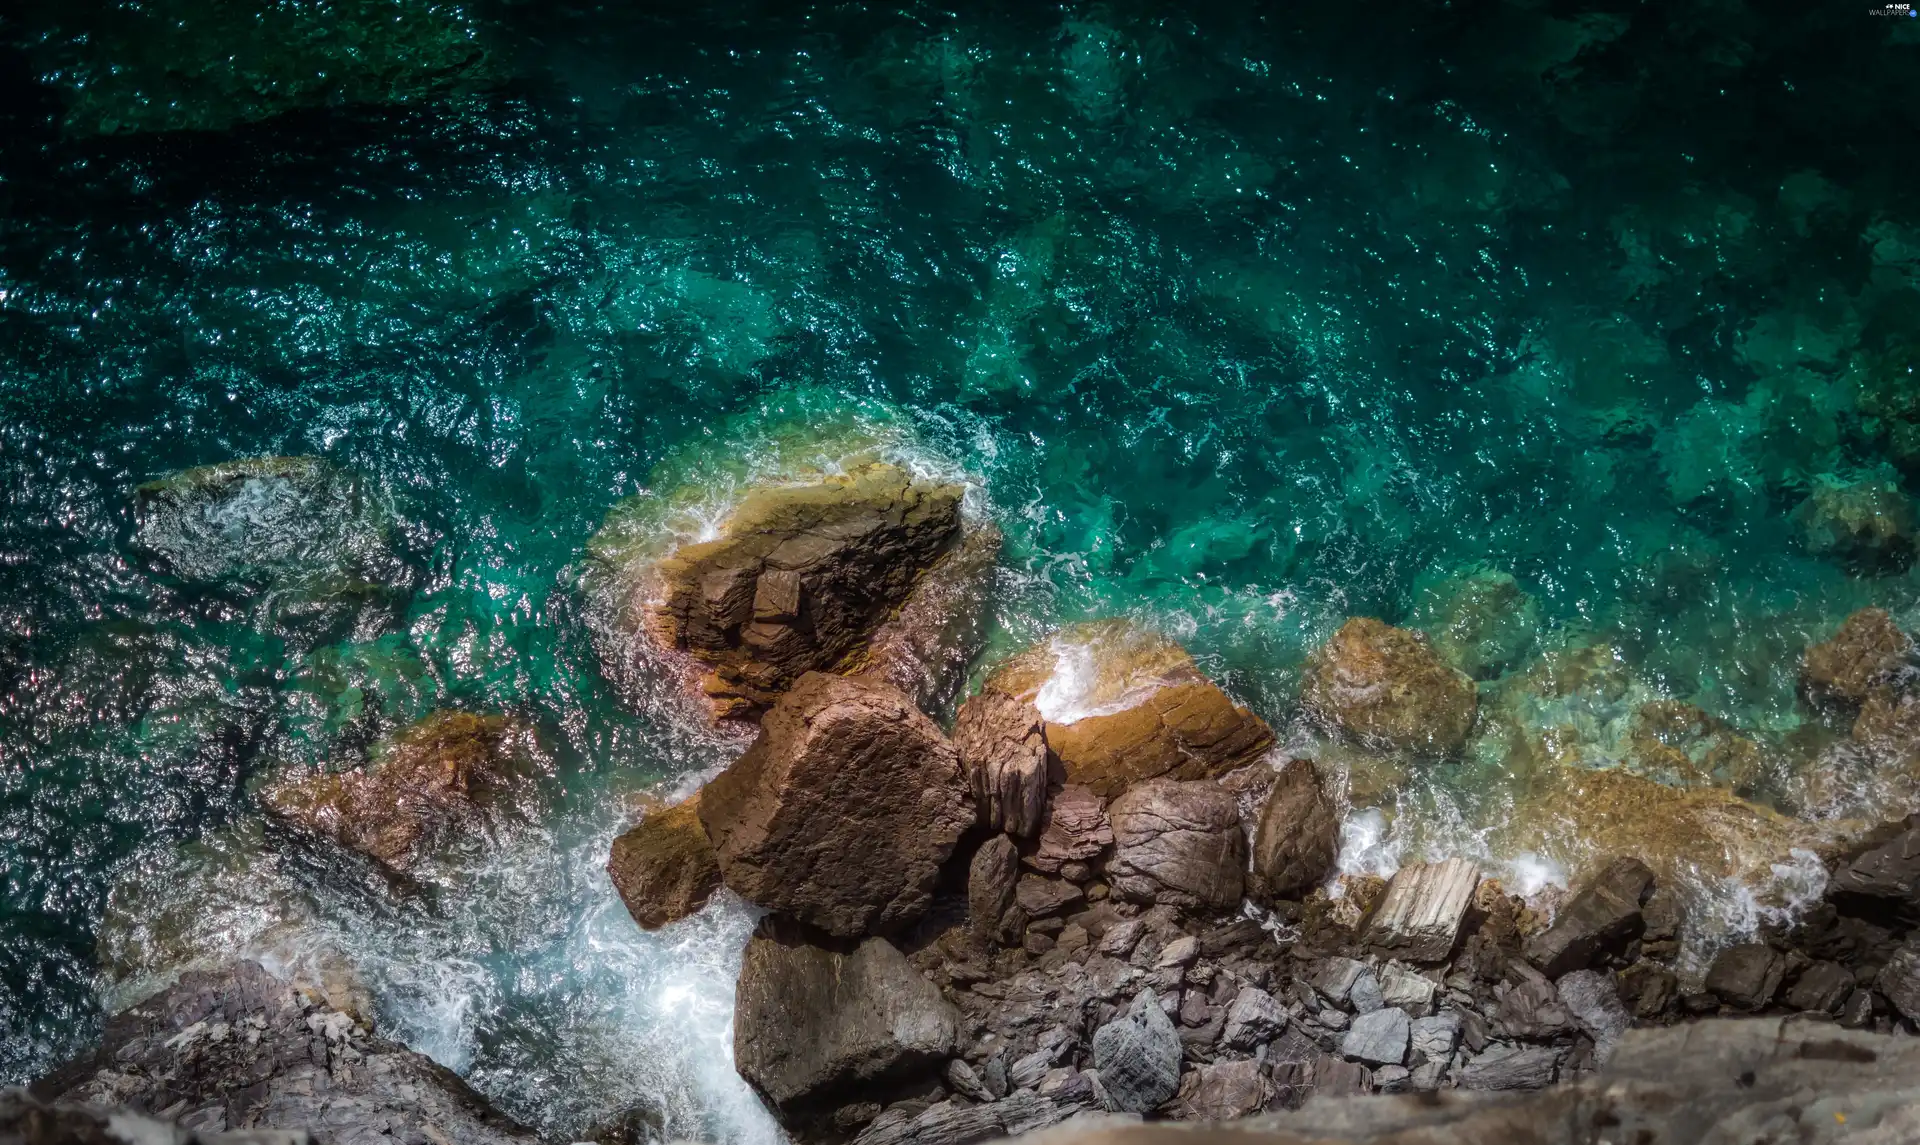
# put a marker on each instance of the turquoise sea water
(1242, 318)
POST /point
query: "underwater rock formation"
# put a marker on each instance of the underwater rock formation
(1863, 655)
(1867, 525)
(1481, 622)
(451, 777)
(1386, 687)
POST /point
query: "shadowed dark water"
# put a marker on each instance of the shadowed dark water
(1244, 319)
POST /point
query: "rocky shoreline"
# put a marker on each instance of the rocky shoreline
(1105, 889)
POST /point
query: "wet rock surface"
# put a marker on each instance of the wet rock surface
(1864, 655)
(238, 1049)
(1866, 525)
(815, 1027)
(450, 780)
(1298, 836)
(665, 868)
(800, 579)
(1386, 687)
(843, 811)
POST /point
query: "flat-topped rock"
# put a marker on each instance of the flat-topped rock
(665, 868)
(844, 809)
(1419, 919)
(1387, 687)
(815, 1028)
(1117, 705)
(1298, 837)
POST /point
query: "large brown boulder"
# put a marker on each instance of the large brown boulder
(1867, 650)
(843, 810)
(1386, 687)
(799, 579)
(452, 777)
(815, 1028)
(665, 868)
(1002, 743)
(1179, 844)
(1114, 705)
(1298, 837)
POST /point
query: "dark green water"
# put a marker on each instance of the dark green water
(1244, 318)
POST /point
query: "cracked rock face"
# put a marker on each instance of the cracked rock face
(238, 1049)
(799, 579)
(1178, 844)
(843, 810)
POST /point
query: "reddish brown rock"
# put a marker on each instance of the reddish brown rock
(1077, 831)
(1178, 844)
(1002, 744)
(1116, 705)
(1866, 651)
(1298, 837)
(843, 810)
(665, 868)
(799, 579)
(452, 776)
(1386, 687)
(991, 880)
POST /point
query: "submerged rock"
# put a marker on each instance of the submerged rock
(1386, 687)
(843, 810)
(665, 868)
(1298, 838)
(1868, 525)
(1178, 844)
(451, 778)
(181, 66)
(798, 579)
(238, 1049)
(1481, 622)
(1863, 655)
(1117, 705)
(305, 529)
(815, 1028)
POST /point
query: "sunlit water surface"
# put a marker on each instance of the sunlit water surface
(1240, 321)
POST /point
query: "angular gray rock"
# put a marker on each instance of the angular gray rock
(1899, 980)
(1409, 991)
(1379, 1038)
(1365, 996)
(1747, 976)
(991, 880)
(1298, 837)
(954, 1123)
(1178, 844)
(1531, 1007)
(1138, 1057)
(1512, 1067)
(1419, 919)
(1718, 1081)
(1602, 918)
(1821, 988)
(1889, 872)
(24, 1121)
(238, 1049)
(1435, 1036)
(1255, 1018)
(962, 1080)
(1335, 978)
(1594, 1001)
(815, 1028)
